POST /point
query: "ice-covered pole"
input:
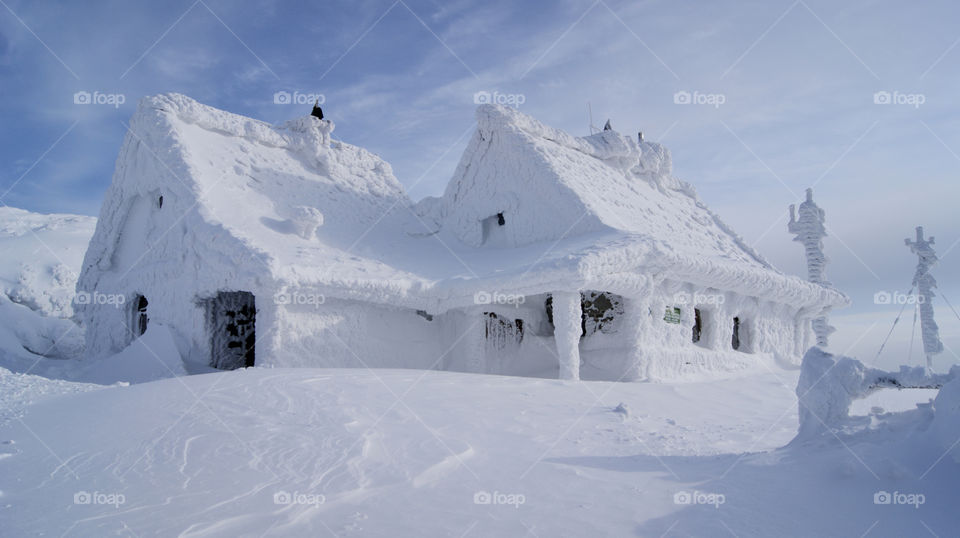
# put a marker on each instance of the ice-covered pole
(567, 329)
(810, 231)
(925, 283)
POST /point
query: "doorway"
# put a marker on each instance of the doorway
(232, 320)
(139, 318)
(735, 341)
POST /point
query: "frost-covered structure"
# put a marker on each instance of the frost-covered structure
(810, 231)
(829, 384)
(547, 255)
(924, 282)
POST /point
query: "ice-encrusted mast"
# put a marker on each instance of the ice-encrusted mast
(925, 283)
(810, 231)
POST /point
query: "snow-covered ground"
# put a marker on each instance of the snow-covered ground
(149, 451)
(311, 452)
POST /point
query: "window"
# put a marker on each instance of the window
(735, 342)
(493, 230)
(600, 311)
(140, 318)
(697, 325)
(500, 331)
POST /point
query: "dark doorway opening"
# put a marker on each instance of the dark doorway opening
(232, 319)
(140, 318)
(697, 325)
(735, 342)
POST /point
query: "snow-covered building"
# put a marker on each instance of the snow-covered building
(547, 255)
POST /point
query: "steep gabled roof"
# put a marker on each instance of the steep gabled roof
(551, 185)
(289, 204)
(289, 196)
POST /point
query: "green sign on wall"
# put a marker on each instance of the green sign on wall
(672, 315)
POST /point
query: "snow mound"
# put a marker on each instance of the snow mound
(312, 452)
(38, 274)
(150, 357)
(829, 384)
(946, 421)
(20, 391)
(42, 257)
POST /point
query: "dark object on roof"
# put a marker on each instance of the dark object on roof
(607, 126)
(317, 111)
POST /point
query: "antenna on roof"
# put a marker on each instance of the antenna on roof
(593, 128)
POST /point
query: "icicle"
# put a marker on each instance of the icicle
(810, 231)
(925, 283)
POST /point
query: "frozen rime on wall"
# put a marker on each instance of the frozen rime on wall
(810, 230)
(925, 283)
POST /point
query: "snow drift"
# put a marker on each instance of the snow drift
(38, 273)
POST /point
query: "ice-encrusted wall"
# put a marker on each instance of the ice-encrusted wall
(239, 201)
(338, 333)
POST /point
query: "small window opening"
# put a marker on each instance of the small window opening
(735, 342)
(160, 202)
(697, 325)
(499, 331)
(500, 219)
(672, 315)
(600, 311)
(140, 316)
(423, 314)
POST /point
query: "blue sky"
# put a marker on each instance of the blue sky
(798, 81)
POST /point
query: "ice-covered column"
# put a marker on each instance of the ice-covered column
(636, 316)
(810, 230)
(925, 283)
(567, 329)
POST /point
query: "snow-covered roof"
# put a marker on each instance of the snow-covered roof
(317, 212)
(550, 185)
